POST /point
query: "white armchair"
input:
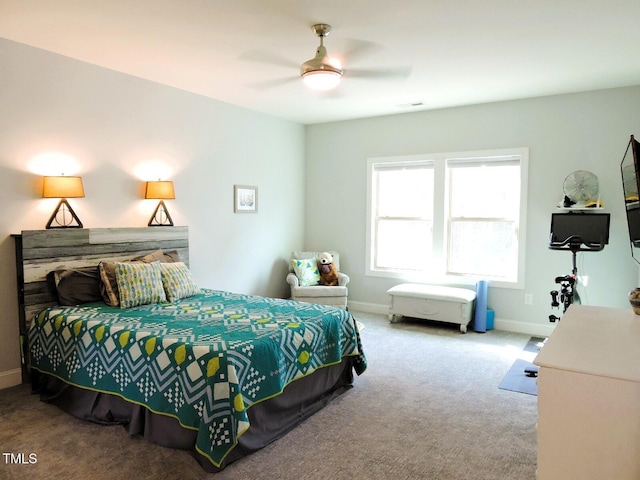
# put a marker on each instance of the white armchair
(335, 296)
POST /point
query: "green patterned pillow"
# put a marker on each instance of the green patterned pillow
(177, 281)
(139, 284)
(307, 271)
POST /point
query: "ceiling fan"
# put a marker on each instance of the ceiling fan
(323, 72)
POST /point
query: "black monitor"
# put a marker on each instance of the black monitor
(633, 220)
(630, 168)
(579, 231)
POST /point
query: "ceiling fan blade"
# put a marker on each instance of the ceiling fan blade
(273, 83)
(398, 73)
(270, 58)
(357, 49)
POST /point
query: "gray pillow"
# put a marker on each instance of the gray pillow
(75, 286)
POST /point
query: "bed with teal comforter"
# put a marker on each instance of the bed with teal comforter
(205, 360)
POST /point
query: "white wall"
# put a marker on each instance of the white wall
(587, 131)
(114, 125)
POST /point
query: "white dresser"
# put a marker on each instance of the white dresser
(589, 396)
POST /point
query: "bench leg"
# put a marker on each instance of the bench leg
(463, 328)
(393, 318)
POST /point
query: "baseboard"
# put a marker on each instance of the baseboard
(368, 307)
(10, 378)
(533, 329)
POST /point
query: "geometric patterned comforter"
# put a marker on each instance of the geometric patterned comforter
(204, 360)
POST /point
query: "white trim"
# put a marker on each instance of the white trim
(10, 378)
(502, 324)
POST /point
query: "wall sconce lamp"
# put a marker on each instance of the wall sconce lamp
(63, 187)
(160, 190)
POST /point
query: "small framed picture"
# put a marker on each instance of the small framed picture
(245, 199)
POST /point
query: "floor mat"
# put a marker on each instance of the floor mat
(534, 344)
(517, 381)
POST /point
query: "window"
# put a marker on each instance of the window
(452, 216)
(404, 216)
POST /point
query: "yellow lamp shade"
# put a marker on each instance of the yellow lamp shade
(160, 190)
(62, 187)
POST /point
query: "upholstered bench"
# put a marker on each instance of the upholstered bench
(432, 302)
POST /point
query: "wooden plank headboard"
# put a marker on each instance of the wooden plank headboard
(39, 252)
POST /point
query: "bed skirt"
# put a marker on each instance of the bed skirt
(269, 420)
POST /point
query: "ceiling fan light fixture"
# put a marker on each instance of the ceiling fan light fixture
(321, 72)
(321, 79)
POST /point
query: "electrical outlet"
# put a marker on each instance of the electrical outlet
(528, 299)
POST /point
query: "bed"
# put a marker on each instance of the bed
(217, 373)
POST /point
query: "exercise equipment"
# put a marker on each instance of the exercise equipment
(575, 232)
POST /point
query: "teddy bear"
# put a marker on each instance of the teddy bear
(328, 270)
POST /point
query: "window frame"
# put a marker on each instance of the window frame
(441, 215)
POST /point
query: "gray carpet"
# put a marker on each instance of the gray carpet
(428, 407)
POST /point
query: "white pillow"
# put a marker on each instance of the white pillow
(307, 271)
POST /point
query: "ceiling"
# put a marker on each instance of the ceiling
(248, 52)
